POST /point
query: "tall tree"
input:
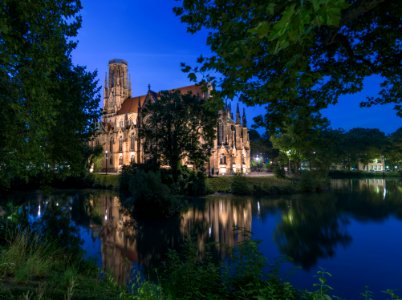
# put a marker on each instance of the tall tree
(364, 144)
(394, 149)
(36, 39)
(298, 52)
(179, 126)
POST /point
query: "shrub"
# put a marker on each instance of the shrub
(149, 196)
(240, 186)
(279, 172)
(313, 182)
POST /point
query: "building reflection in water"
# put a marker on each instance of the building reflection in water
(376, 185)
(124, 241)
(222, 221)
(117, 234)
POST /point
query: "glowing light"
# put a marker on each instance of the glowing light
(39, 210)
(210, 231)
(106, 215)
(258, 206)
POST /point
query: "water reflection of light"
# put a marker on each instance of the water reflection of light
(384, 193)
(57, 203)
(258, 206)
(39, 210)
(288, 218)
(210, 231)
(106, 215)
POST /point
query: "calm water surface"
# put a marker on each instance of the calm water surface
(354, 232)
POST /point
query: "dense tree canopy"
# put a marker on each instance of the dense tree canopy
(298, 53)
(46, 103)
(324, 147)
(178, 127)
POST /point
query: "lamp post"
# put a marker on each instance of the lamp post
(106, 160)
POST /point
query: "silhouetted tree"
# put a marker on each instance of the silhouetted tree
(178, 127)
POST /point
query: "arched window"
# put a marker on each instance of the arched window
(243, 161)
(222, 159)
(111, 145)
(132, 159)
(121, 144)
(111, 160)
(132, 142)
(120, 160)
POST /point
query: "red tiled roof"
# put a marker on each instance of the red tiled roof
(130, 105)
(194, 89)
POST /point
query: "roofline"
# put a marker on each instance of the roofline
(118, 61)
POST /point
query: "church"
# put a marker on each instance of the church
(118, 131)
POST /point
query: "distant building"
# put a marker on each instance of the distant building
(118, 130)
(375, 165)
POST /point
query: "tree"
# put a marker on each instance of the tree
(178, 127)
(394, 148)
(363, 145)
(298, 52)
(297, 137)
(261, 147)
(46, 103)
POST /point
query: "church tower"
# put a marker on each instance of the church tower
(117, 86)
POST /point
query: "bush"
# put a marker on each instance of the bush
(313, 182)
(240, 186)
(149, 197)
(279, 172)
(190, 183)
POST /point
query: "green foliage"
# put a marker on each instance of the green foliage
(46, 103)
(190, 183)
(174, 127)
(243, 185)
(106, 181)
(312, 181)
(220, 184)
(279, 171)
(155, 191)
(190, 277)
(239, 186)
(34, 268)
(302, 53)
(323, 288)
(150, 197)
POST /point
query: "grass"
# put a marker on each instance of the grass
(264, 185)
(31, 268)
(106, 181)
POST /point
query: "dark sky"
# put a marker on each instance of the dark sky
(152, 39)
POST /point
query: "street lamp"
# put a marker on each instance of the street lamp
(106, 160)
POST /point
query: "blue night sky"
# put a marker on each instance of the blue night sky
(154, 42)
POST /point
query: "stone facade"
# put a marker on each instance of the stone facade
(117, 132)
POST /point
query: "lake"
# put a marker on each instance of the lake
(353, 231)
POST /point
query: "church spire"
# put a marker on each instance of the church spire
(237, 114)
(244, 118)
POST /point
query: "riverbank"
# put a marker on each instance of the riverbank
(341, 174)
(239, 185)
(266, 185)
(32, 267)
